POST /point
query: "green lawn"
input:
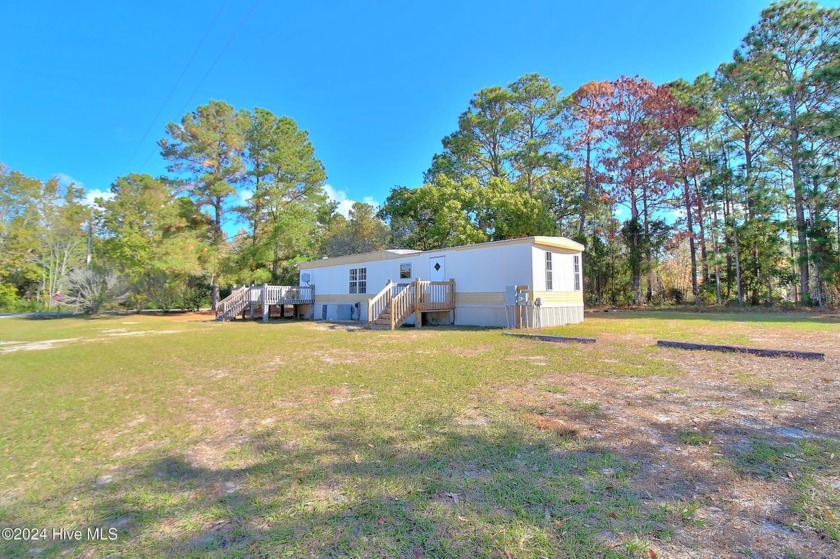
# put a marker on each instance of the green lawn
(192, 438)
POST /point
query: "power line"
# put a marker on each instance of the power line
(213, 66)
(219, 57)
(177, 83)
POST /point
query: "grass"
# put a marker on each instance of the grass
(587, 407)
(554, 388)
(193, 438)
(746, 329)
(817, 503)
(685, 514)
(694, 438)
(813, 468)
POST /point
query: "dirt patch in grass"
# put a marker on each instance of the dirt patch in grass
(337, 356)
(472, 417)
(474, 351)
(104, 334)
(691, 434)
(534, 360)
(313, 396)
(550, 424)
(201, 316)
(9, 347)
(142, 333)
(350, 398)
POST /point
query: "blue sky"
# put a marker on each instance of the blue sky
(87, 87)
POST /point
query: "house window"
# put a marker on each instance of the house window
(577, 272)
(405, 271)
(358, 280)
(549, 279)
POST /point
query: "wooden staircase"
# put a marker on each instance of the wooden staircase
(229, 307)
(392, 306)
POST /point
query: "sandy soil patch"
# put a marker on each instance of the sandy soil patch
(345, 399)
(203, 316)
(728, 399)
(8, 347)
(143, 332)
(472, 417)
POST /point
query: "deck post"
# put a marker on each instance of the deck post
(312, 298)
(369, 312)
(265, 302)
(391, 303)
(418, 314)
(452, 298)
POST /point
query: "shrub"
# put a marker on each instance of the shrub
(158, 287)
(195, 291)
(9, 299)
(89, 291)
(675, 295)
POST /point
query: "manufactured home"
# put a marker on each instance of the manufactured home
(531, 282)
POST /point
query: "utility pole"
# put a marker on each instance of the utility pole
(89, 240)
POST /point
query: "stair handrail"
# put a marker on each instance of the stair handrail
(232, 304)
(402, 304)
(380, 302)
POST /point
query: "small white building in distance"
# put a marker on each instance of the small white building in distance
(527, 282)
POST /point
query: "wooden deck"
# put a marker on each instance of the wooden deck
(263, 297)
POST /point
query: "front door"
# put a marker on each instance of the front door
(437, 268)
(437, 272)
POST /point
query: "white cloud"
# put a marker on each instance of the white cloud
(345, 203)
(92, 195)
(66, 180)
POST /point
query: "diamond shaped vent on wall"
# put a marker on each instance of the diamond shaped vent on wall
(437, 266)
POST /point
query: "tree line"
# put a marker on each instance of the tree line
(720, 189)
(160, 242)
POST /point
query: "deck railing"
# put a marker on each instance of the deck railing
(379, 303)
(263, 296)
(233, 304)
(288, 294)
(402, 303)
(436, 295)
(399, 300)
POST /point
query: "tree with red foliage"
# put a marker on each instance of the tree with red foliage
(590, 111)
(677, 119)
(636, 140)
